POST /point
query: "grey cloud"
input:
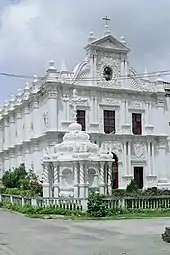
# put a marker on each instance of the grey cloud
(33, 32)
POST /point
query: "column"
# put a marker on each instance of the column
(153, 159)
(106, 169)
(60, 179)
(27, 156)
(12, 129)
(109, 178)
(6, 132)
(96, 110)
(162, 163)
(125, 160)
(149, 158)
(18, 126)
(13, 163)
(56, 180)
(1, 134)
(46, 185)
(161, 129)
(82, 184)
(150, 113)
(101, 178)
(36, 117)
(129, 159)
(37, 157)
(67, 109)
(125, 111)
(53, 111)
(26, 123)
(75, 165)
(147, 114)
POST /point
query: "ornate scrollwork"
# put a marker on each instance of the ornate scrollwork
(138, 151)
(104, 61)
(137, 105)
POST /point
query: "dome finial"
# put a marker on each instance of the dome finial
(159, 77)
(91, 37)
(63, 68)
(122, 40)
(146, 76)
(51, 65)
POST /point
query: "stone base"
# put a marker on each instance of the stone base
(163, 186)
(166, 235)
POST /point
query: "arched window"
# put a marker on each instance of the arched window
(107, 73)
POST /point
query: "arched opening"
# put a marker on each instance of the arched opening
(115, 183)
(107, 73)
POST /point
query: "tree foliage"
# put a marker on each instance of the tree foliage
(19, 178)
(132, 187)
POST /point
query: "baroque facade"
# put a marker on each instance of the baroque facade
(125, 114)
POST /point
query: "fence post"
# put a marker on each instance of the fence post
(23, 201)
(84, 204)
(121, 203)
(33, 202)
(11, 199)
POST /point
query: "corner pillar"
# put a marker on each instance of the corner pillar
(101, 179)
(82, 181)
(46, 184)
(109, 178)
(76, 193)
(56, 180)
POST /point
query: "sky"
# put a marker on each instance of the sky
(32, 32)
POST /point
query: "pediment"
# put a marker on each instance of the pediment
(109, 42)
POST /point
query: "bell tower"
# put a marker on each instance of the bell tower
(107, 58)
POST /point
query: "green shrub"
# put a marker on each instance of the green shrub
(132, 187)
(119, 192)
(42, 210)
(21, 182)
(96, 207)
(20, 192)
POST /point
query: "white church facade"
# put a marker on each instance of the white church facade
(125, 114)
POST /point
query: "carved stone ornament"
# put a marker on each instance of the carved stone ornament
(137, 105)
(108, 101)
(77, 100)
(139, 151)
(151, 178)
(104, 61)
(45, 119)
(112, 147)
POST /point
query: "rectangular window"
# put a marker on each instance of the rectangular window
(81, 118)
(109, 122)
(137, 123)
(138, 176)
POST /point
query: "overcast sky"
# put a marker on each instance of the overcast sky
(32, 32)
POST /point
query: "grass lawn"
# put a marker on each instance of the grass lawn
(147, 215)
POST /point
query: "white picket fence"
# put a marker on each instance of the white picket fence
(143, 202)
(71, 204)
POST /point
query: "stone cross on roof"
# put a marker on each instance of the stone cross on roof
(106, 19)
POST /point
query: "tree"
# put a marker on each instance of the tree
(13, 179)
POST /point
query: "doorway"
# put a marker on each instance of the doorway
(138, 176)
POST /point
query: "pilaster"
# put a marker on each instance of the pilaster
(82, 181)
(75, 165)
(56, 180)
(46, 184)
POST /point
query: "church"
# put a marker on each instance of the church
(124, 113)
